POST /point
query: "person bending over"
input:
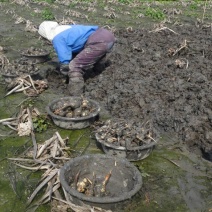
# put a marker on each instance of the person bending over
(78, 48)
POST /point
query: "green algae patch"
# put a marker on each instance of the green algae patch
(169, 173)
(16, 184)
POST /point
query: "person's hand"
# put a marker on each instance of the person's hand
(64, 69)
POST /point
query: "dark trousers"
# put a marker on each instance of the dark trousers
(96, 47)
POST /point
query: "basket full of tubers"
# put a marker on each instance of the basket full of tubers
(73, 112)
(126, 139)
(35, 55)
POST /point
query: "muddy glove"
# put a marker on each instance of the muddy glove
(76, 84)
(64, 68)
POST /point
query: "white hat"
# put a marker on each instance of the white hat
(46, 29)
(49, 29)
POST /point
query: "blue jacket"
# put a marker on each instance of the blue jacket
(71, 41)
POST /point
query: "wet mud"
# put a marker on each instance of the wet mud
(160, 76)
(144, 81)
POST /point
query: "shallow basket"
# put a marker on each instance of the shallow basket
(36, 58)
(125, 180)
(132, 154)
(73, 123)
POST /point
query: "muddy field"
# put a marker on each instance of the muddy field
(162, 75)
(159, 71)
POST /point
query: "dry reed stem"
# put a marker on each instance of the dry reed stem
(7, 119)
(184, 45)
(45, 145)
(54, 172)
(204, 9)
(163, 28)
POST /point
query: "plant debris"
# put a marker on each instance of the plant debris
(27, 85)
(126, 134)
(22, 124)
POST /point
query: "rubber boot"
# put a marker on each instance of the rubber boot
(76, 83)
(64, 69)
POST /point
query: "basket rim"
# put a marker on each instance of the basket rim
(95, 113)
